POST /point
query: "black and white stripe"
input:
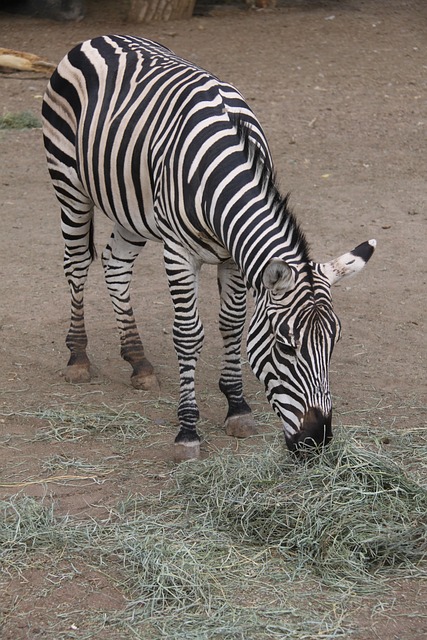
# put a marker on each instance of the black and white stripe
(170, 153)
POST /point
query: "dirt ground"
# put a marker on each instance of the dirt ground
(341, 90)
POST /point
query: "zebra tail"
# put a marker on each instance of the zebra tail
(92, 248)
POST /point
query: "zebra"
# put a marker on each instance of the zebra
(171, 153)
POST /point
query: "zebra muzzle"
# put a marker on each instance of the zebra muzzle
(315, 433)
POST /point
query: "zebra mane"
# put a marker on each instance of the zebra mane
(279, 204)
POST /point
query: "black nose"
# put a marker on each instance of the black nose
(315, 433)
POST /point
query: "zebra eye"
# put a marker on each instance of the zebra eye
(286, 349)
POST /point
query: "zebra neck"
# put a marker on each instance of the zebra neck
(253, 240)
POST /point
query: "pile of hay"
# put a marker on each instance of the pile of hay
(347, 514)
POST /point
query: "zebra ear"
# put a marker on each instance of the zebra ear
(278, 276)
(348, 264)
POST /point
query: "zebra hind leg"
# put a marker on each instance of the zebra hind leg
(77, 230)
(118, 259)
(239, 421)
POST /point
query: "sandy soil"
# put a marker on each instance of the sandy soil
(340, 88)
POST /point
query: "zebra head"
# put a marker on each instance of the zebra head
(291, 338)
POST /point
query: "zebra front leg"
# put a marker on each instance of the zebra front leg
(183, 273)
(118, 259)
(239, 421)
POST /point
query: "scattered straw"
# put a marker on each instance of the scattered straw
(182, 580)
(76, 422)
(28, 525)
(64, 462)
(50, 480)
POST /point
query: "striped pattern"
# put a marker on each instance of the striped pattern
(172, 154)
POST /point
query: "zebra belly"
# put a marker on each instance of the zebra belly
(142, 224)
(149, 225)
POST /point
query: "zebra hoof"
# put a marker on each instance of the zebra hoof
(77, 373)
(186, 451)
(241, 426)
(145, 383)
